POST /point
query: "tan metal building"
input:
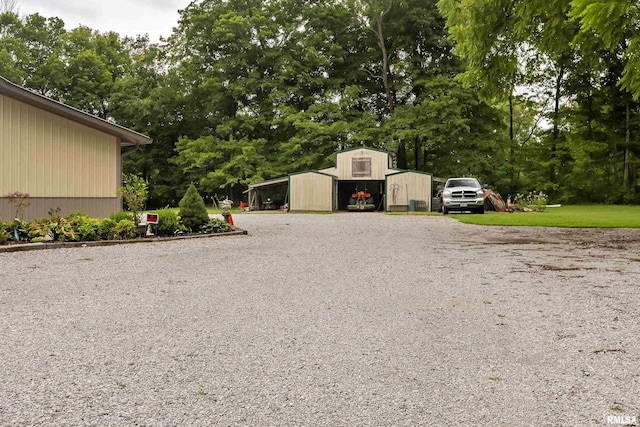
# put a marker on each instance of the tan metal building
(61, 156)
(357, 169)
(312, 191)
(405, 186)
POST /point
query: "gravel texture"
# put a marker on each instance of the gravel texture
(326, 320)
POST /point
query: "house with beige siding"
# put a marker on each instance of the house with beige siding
(61, 156)
(359, 169)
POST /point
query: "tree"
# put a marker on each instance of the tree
(134, 191)
(616, 23)
(9, 6)
(373, 14)
(273, 90)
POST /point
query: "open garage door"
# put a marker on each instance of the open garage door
(347, 188)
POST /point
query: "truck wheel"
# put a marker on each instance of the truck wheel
(445, 210)
(481, 210)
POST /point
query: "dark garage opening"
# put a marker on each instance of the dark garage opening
(347, 188)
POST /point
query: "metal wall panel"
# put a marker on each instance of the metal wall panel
(95, 207)
(49, 156)
(410, 186)
(379, 164)
(311, 191)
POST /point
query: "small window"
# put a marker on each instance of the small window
(361, 166)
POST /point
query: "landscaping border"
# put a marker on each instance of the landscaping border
(60, 245)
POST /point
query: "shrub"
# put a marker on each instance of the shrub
(60, 227)
(168, 222)
(120, 215)
(4, 235)
(22, 227)
(533, 201)
(63, 230)
(106, 229)
(215, 225)
(125, 229)
(89, 230)
(39, 230)
(19, 201)
(134, 191)
(84, 227)
(193, 212)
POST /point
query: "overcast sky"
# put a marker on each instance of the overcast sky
(125, 17)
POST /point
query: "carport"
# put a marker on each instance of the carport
(268, 195)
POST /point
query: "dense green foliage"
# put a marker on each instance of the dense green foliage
(215, 225)
(570, 66)
(134, 191)
(4, 234)
(527, 95)
(125, 229)
(193, 212)
(78, 227)
(120, 215)
(168, 222)
(75, 227)
(105, 229)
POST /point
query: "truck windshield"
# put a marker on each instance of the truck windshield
(463, 182)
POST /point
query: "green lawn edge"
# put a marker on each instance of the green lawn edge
(572, 216)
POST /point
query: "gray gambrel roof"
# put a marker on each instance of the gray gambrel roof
(128, 137)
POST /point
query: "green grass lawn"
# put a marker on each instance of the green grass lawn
(577, 216)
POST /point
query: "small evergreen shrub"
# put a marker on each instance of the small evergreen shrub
(120, 215)
(193, 212)
(125, 229)
(168, 222)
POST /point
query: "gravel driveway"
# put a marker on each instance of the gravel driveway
(326, 320)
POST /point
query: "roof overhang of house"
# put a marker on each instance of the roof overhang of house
(127, 137)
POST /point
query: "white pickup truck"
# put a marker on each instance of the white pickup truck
(462, 194)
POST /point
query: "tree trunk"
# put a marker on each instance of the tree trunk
(385, 64)
(402, 156)
(416, 153)
(556, 126)
(590, 111)
(425, 160)
(627, 153)
(512, 148)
